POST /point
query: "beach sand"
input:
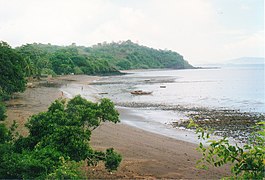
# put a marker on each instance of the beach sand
(145, 154)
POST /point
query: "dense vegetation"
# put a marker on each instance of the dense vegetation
(48, 59)
(12, 77)
(129, 55)
(35, 60)
(105, 58)
(58, 142)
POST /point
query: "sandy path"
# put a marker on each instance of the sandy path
(145, 155)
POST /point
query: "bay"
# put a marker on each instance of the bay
(178, 93)
(236, 87)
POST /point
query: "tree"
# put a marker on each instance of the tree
(58, 141)
(36, 59)
(248, 162)
(61, 62)
(2, 111)
(102, 59)
(11, 70)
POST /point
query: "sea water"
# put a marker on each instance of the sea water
(231, 87)
(235, 87)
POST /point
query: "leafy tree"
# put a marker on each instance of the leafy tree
(129, 55)
(30, 69)
(36, 59)
(113, 159)
(248, 162)
(79, 60)
(77, 70)
(66, 170)
(46, 71)
(124, 64)
(11, 70)
(4, 134)
(58, 141)
(62, 63)
(2, 112)
(103, 59)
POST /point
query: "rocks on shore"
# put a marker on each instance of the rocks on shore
(224, 122)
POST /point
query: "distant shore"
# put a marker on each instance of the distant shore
(145, 154)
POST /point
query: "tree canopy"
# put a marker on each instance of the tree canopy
(11, 70)
(58, 140)
(129, 55)
(101, 59)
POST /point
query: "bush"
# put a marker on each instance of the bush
(58, 141)
(77, 70)
(248, 162)
(4, 135)
(46, 71)
(113, 159)
(66, 170)
(2, 111)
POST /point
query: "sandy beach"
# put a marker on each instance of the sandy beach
(145, 154)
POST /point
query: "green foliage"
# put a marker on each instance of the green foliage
(77, 70)
(28, 164)
(4, 135)
(102, 59)
(11, 75)
(248, 161)
(2, 111)
(113, 159)
(129, 55)
(36, 59)
(11, 71)
(124, 64)
(66, 170)
(46, 71)
(58, 141)
(61, 62)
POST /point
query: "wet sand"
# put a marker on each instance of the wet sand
(145, 154)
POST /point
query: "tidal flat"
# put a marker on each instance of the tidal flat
(226, 100)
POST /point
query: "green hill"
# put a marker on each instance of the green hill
(103, 58)
(129, 55)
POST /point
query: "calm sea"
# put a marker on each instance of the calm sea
(235, 88)
(227, 88)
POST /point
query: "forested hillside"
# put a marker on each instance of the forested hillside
(102, 59)
(35, 60)
(129, 55)
(12, 78)
(59, 60)
(58, 140)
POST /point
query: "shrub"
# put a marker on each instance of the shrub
(2, 111)
(58, 141)
(248, 162)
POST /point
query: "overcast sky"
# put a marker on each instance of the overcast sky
(200, 30)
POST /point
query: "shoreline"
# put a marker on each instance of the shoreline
(143, 119)
(145, 154)
(229, 116)
(147, 121)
